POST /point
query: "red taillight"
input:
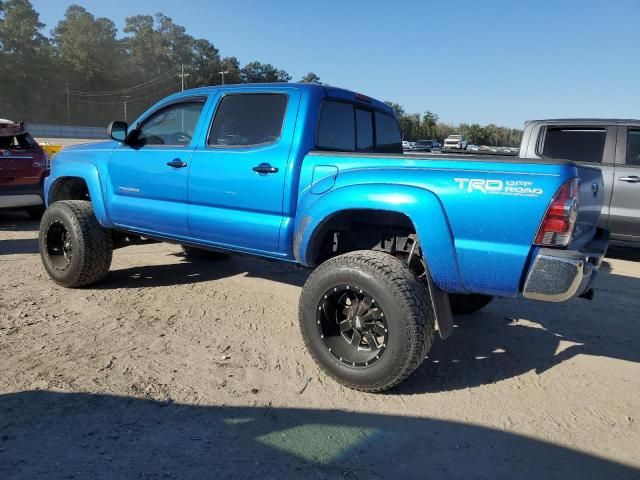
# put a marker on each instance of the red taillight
(557, 226)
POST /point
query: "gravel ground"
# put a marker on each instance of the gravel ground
(172, 369)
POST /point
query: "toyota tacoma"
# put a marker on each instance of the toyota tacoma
(314, 175)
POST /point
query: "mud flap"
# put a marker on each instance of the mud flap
(441, 308)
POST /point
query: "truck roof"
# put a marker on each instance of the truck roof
(590, 121)
(328, 91)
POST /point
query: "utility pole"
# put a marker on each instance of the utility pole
(125, 106)
(222, 73)
(68, 107)
(182, 75)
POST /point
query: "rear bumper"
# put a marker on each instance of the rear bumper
(559, 275)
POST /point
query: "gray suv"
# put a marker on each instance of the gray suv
(614, 145)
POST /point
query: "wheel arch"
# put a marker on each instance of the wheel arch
(419, 208)
(78, 181)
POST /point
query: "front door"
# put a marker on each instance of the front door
(148, 177)
(237, 178)
(624, 218)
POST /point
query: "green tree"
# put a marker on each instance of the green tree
(26, 59)
(88, 46)
(310, 78)
(256, 72)
(20, 27)
(206, 65)
(231, 65)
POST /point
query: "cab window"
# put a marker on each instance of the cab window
(344, 127)
(633, 147)
(248, 119)
(173, 125)
(578, 144)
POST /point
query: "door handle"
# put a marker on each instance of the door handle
(265, 169)
(177, 163)
(630, 179)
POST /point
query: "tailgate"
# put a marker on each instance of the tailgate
(590, 203)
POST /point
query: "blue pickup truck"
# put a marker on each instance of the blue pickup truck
(315, 175)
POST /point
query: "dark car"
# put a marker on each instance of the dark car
(426, 145)
(23, 166)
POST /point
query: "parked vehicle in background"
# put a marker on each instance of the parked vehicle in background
(23, 166)
(406, 146)
(455, 142)
(426, 146)
(613, 145)
(315, 175)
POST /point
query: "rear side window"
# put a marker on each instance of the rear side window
(581, 145)
(248, 119)
(337, 130)
(364, 131)
(633, 147)
(347, 128)
(388, 139)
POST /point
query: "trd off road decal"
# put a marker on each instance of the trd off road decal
(518, 188)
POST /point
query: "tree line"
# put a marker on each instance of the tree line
(85, 73)
(428, 126)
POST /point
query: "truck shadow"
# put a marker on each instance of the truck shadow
(11, 221)
(65, 435)
(200, 270)
(513, 337)
(15, 221)
(18, 246)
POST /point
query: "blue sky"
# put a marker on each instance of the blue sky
(468, 61)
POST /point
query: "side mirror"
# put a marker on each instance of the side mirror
(118, 130)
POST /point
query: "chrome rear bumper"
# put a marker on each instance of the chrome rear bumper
(559, 275)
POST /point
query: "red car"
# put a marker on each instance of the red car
(23, 166)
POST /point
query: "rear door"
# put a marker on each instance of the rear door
(624, 219)
(238, 173)
(593, 146)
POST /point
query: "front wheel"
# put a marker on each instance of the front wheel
(366, 320)
(75, 249)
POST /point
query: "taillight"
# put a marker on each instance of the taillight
(557, 225)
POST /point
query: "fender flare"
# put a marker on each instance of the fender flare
(421, 206)
(91, 176)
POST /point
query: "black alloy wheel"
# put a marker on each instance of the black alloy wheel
(58, 245)
(352, 326)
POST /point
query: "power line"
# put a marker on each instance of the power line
(90, 102)
(121, 91)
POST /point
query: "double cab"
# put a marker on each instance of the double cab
(314, 175)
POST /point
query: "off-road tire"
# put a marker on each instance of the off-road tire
(468, 304)
(193, 253)
(92, 244)
(408, 310)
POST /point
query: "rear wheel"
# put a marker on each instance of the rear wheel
(467, 304)
(193, 253)
(366, 320)
(75, 249)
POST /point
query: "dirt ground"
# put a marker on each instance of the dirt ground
(172, 369)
